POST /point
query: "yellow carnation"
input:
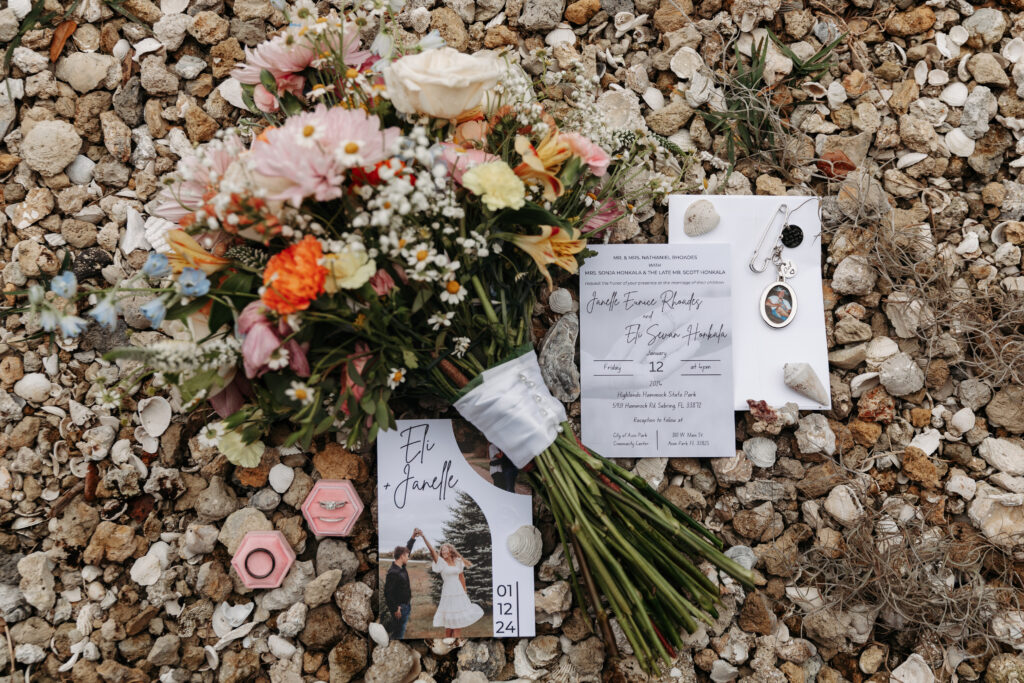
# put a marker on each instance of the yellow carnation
(496, 184)
(350, 269)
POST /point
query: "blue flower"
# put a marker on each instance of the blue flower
(72, 325)
(156, 266)
(105, 313)
(432, 41)
(193, 282)
(48, 319)
(154, 310)
(65, 284)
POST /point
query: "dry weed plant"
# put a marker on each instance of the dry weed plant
(944, 305)
(928, 584)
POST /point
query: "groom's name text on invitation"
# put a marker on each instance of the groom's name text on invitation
(416, 472)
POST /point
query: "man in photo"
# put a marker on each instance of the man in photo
(503, 470)
(397, 590)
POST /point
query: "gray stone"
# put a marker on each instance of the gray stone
(900, 375)
(171, 29)
(8, 25)
(189, 67)
(988, 152)
(50, 146)
(333, 553)
(37, 580)
(216, 501)
(354, 601)
(128, 102)
(985, 27)
(613, 7)
(980, 107)
(291, 622)
(1006, 409)
(485, 656)
(265, 499)
(291, 590)
(541, 15)
(854, 276)
(392, 663)
(164, 650)
(814, 435)
(986, 70)
(238, 524)
(319, 590)
(29, 61)
(558, 358)
(85, 71)
(155, 78)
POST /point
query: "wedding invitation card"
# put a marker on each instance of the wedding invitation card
(656, 351)
(447, 503)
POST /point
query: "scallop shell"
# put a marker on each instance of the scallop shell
(700, 218)
(155, 415)
(563, 34)
(801, 378)
(959, 144)
(525, 545)
(938, 77)
(954, 94)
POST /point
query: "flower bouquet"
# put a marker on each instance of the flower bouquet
(382, 228)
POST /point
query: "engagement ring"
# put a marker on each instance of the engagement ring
(333, 504)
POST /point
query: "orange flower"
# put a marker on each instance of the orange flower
(294, 277)
(542, 163)
(188, 254)
(553, 245)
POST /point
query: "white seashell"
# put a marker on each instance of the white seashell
(654, 99)
(959, 144)
(280, 477)
(921, 72)
(1013, 50)
(998, 235)
(442, 646)
(561, 35)
(945, 46)
(814, 89)
(760, 451)
(801, 378)
(147, 569)
(525, 545)
(962, 421)
(20, 7)
(959, 35)
(621, 109)
(173, 6)
(700, 218)
(938, 77)
(626, 21)
(969, 244)
(954, 94)
(379, 634)
(156, 233)
(155, 415)
(910, 159)
(227, 617)
(149, 443)
(961, 69)
(686, 62)
(145, 46)
(212, 658)
(121, 49)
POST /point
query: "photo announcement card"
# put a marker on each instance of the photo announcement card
(656, 351)
(447, 503)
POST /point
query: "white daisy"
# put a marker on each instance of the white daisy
(348, 153)
(309, 135)
(209, 434)
(278, 359)
(300, 393)
(396, 377)
(461, 346)
(439, 320)
(453, 292)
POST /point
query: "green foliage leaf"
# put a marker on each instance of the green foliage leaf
(180, 312)
(531, 214)
(409, 358)
(268, 81)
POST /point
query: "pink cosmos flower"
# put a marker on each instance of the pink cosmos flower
(282, 55)
(381, 282)
(459, 159)
(261, 339)
(198, 173)
(309, 155)
(265, 100)
(594, 156)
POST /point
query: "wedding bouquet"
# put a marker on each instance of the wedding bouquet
(384, 230)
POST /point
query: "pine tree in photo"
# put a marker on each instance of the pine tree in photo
(467, 530)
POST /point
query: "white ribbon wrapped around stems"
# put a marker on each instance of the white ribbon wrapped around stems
(514, 409)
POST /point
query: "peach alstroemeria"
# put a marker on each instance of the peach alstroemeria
(553, 245)
(541, 163)
(186, 253)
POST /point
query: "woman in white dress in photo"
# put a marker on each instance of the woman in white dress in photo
(455, 611)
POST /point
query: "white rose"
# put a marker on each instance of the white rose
(442, 83)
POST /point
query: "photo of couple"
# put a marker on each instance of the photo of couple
(454, 611)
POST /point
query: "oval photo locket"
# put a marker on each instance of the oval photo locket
(778, 304)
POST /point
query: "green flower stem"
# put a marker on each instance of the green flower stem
(485, 301)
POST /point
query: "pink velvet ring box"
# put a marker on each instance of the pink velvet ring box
(263, 559)
(332, 507)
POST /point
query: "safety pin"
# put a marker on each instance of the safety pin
(783, 209)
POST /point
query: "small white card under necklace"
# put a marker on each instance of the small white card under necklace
(656, 351)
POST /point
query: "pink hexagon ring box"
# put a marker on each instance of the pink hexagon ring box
(263, 559)
(332, 507)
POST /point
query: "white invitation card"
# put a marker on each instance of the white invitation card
(762, 350)
(447, 502)
(656, 351)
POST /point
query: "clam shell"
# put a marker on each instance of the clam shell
(700, 218)
(998, 235)
(561, 35)
(379, 634)
(155, 415)
(958, 35)
(280, 477)
(814, 89)
(149, 443)
(959, 144)
(654, 99)
(921, 72)
(525, 545)
(910, 159)
(156, 230)
(686, 62)
(937, 77)
(801, 378)
(954, 94)
(1014, 50)
(961, 69)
